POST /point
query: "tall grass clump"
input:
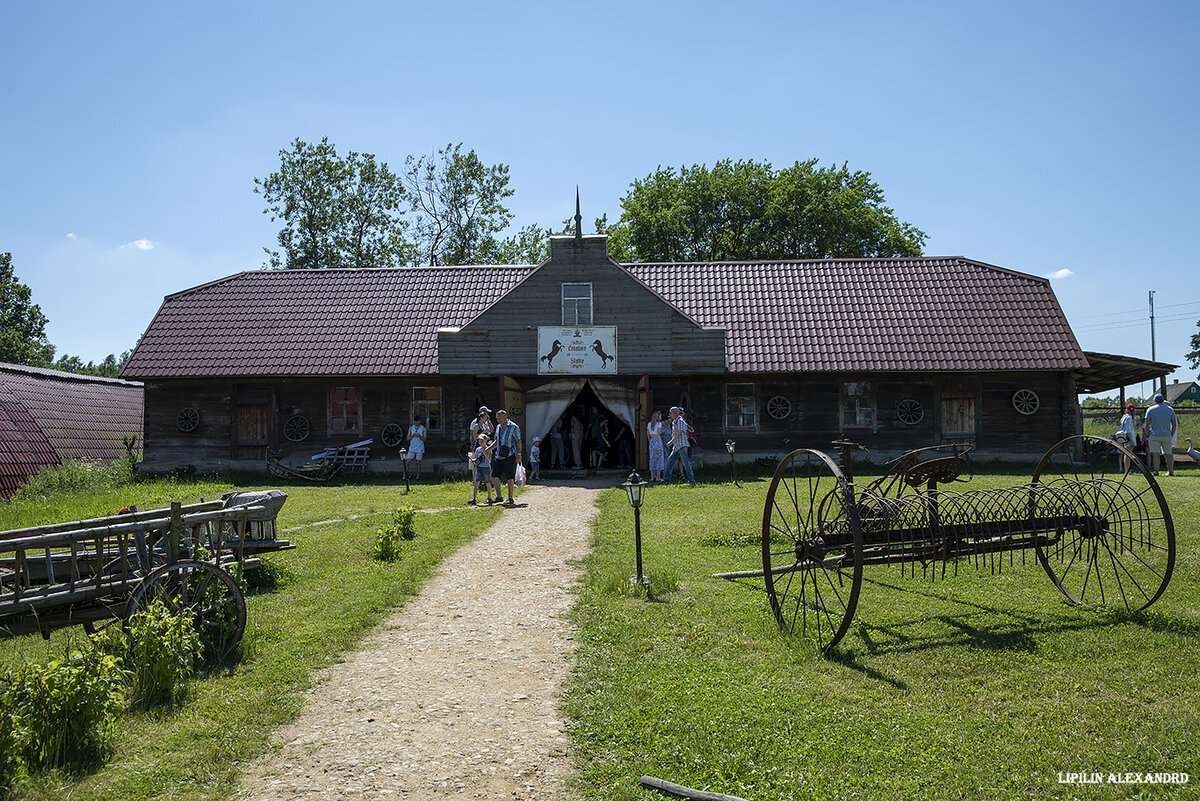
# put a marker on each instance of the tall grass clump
(63, 711)
(76, 475)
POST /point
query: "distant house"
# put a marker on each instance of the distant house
(1182, 391)
(894, 353)
(48, 416)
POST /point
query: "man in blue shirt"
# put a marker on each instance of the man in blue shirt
(508, 453)
(1159, 427)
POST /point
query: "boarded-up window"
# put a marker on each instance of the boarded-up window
(576, 304)
(427, 404)
(740, 407)
(345, 411)
(958, 416)
(858, 404)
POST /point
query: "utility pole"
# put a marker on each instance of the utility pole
(1153, 354)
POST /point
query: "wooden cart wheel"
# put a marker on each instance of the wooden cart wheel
(1121, 551)
(812, 546)
(202, 589)
(392, 434)
(297, 428)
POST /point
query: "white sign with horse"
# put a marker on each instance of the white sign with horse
(590, 350)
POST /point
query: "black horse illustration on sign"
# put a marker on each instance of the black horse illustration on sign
(549, 357)
(604, 357)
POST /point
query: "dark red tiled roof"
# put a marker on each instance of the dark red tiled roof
(48, 416)
(316, 322)
(846, 315)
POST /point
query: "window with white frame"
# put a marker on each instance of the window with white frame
(427, 404)
(741, 408)
(576, 304)
(345, 409)
(858, 404)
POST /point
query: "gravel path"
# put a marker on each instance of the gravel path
(457, 695)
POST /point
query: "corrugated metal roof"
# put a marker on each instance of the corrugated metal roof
(48, 416)
(842, 315)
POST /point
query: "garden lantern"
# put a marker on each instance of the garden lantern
(635, 488)
(731, 447)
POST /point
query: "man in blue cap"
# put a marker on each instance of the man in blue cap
(1159, 427)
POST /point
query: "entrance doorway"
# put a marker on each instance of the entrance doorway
(571, 402)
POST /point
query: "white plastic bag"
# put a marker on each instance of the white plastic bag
(519, 480)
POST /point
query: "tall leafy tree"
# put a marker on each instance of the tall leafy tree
(337, 211)
(1193, 356)
(22, 324)
(739, 210)
(109, 367)
(457, 207)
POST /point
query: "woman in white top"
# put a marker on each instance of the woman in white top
(657, 457)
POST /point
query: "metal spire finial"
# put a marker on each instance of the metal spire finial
(578, 216)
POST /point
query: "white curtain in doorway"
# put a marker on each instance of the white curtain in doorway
(546, 404)
(619, 401)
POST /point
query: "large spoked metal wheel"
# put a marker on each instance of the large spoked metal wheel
(202, 590)
(1116, 546)
(812, 547)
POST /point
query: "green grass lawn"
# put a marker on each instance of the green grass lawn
(975, 686)
(328, 595)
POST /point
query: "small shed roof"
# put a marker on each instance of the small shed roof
(841, 315)
(48, 416)
(1108, 371)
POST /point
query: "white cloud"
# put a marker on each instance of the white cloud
(72, 236)
(1063, 273)
(139, 244)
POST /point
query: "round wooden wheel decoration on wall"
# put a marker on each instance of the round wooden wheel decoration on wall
(188, 420)
(297, 428)
(392, 435)
(909, 411)
(779, 408)
(1025, 401)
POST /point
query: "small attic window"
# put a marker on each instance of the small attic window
(576, 304)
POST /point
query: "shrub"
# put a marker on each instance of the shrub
(161, 650)
(64, 710)
(389, 539)
(402, 519)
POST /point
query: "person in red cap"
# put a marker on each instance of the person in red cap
(1127, 434)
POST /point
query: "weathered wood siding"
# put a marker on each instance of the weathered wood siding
(652, 337)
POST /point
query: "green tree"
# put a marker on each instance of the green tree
(1193, 356)
(337, 212)
(457, 207)
(740, 210)
(109, 367)
(22, 324)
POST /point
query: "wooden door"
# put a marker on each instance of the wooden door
(512, 400)
(645, 407)
(958, 419)
(250, 438)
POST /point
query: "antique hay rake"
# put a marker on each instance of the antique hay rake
(1093, 514)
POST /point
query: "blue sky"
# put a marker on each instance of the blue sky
(1051, 138)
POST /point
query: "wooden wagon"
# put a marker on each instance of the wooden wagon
(105, 569)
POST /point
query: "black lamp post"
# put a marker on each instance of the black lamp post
(731, 446)
(635, 488)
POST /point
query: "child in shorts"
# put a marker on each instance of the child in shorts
(481, 460)
(535, 459)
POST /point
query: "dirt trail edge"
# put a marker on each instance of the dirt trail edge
(457, 694)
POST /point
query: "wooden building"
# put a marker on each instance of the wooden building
(892, 353)
(50, 416)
